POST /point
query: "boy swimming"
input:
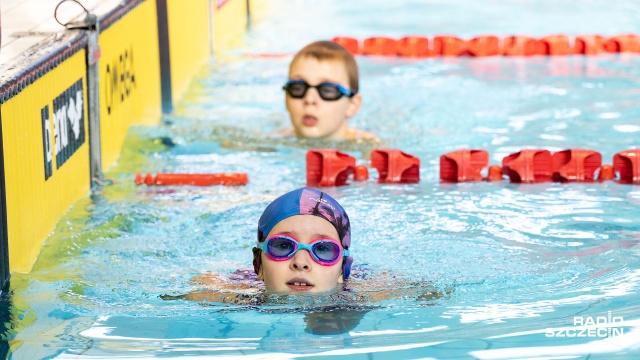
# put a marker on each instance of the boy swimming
(322, 93)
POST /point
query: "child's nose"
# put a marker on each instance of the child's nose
(301, 260)
(312, 96)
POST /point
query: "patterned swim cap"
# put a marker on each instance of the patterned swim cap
(305, 201)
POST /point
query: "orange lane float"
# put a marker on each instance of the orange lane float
(483, 46)
(539, 165)
(349, 43)
(623, 43)
(227, 179)
(576, 165)
(491, 45)
(627, 163)
(414, 46)
(329, 167)
(446, 45)
(589, 44)
(380, 45)
(463, 165)
(528, 166)
(395, 166)
(556, 45)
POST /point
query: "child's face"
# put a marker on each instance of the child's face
(282, 276)
(313, 117)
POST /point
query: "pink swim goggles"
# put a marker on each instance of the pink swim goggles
(324, 251)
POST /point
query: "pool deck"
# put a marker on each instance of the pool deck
(27, 25)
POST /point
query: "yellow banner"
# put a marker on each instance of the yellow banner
(46, 156)
(129, 78)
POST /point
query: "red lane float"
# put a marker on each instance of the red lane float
(395, 166)
(491, 45)
(539, 165)
(627, 163)
(227, 179)
(589, 44)
(494, 173)
(463, 165)
(576, 165)
(528, 166)
(447, 45)
(623, 43)
(362, 173)
(414, 46)
(521, 46)
(349, 43)
(556, 45)
(484, 46)
(380, 45)
(329, 167)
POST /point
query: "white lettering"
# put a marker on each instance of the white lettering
(617, 331)
(60, 128)
(578, 321)
(75, 114)
(324, 202)
(47, 140)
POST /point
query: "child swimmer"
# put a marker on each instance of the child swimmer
(321, 94)
(303, 248)
(303, 243)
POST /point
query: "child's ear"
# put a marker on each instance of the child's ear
(260, 274)
(340, 278)
(354, 106)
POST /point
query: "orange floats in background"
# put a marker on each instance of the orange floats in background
(328, 167)
(528, 166)
(413, 46)
(627, 164)
(623, 43)
(606, 173)
(556, 45)
(589, 44)
(447, 45)
(483, 46)
(576, 165)
(522, 46)
(362, 173)
(349, 43)
(463, 165)
(395, 166)
(494, 173)
(227, 179)
(380, 45)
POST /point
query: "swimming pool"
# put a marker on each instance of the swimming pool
(519, 266)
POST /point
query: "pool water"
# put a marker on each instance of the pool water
(477, 270)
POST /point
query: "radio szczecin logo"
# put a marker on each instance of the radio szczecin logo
(590, 327)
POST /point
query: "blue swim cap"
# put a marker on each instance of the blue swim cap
(305, 201)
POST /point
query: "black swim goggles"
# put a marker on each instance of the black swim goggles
(328, 91)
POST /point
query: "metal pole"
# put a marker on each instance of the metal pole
(93, 83)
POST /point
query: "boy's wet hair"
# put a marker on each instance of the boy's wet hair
(330, 51)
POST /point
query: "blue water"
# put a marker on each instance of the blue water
(512, 267)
